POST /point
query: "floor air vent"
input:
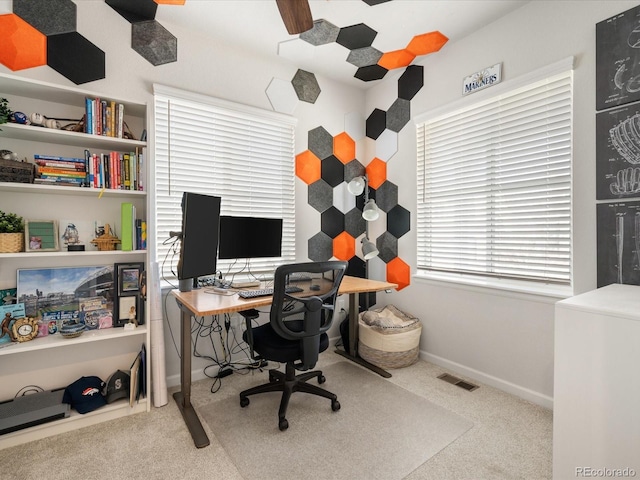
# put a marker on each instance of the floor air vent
(457, 382)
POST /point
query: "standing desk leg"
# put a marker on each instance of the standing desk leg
(353, 339)
(183, 397)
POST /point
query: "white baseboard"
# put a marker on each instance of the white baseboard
(512, 388)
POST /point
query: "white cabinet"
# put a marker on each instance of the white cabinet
(596, 404)
(52, 361)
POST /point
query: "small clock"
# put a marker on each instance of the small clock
(25, 329)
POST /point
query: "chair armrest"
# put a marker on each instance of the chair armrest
(249, 316)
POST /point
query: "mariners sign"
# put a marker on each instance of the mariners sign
(482, 79)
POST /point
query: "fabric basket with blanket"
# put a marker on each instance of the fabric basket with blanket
(389, 337)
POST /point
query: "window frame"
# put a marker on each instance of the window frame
(232, 170)
(473, 280)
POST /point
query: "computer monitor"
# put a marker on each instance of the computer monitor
(249, 237)
(199, 238)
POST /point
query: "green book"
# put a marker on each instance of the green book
(128, 213)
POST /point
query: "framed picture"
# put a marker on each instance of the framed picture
(128, 309)
(129, 277)
(41, 235)
(130, 286)
(58, 292)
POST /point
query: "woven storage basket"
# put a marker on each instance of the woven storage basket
(389, 338)
(11, 242)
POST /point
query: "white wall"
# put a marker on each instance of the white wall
(502, 338)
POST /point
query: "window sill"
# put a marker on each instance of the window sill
(549, 293)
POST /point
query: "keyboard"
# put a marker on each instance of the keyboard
(264, 292)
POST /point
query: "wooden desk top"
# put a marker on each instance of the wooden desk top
(202, 303)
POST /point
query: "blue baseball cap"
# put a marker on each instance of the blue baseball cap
(85, 394)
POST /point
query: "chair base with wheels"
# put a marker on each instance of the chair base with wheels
(287, 383)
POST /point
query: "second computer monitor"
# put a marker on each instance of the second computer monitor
(249, 237)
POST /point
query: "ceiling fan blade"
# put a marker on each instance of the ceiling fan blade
(296, 15)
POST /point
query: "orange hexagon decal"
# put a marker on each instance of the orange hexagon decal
(397, 59)
(398, 272)
(22, 45)
(427, 43)
(308, 167)
(344, 148)
(170, 2)
(344, 246)
(376, 172)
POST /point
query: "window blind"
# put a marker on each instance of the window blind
(494, 185)
(242, 154)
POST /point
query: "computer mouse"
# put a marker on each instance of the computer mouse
(314, 287)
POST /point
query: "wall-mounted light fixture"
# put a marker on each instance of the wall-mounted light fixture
(358, 185)
(370, 212)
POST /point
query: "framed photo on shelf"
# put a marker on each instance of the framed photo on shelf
(41, 236)
(129, 304)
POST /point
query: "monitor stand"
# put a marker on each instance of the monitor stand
(188, 284)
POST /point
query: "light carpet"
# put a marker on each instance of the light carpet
(382, 431)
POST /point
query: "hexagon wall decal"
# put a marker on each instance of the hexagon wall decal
(320, 195)
(387, 245)
(85, 65)
(356, 36)
(427, 43)
(362, 57)
(398, 221)
(398, 272)
(323, 32)
(387, 196)
(320, 247)
(396, 59)
(353, 169)
(376, 173)
(22, 45)
(376, 123)
(344, 246)
(371, 73)
(306, 86)
(332, 222)
(320, 142)
(410, 82)
(134, 10)
(50, 17)
(387, 145)
(307, 167)
(343, 200)
(344, 148)
(170, 2)
(398, 115)
(282, 96)
(332, 170)
(354, 224)
(154, 42)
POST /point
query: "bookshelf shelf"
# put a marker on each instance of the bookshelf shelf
(62, 190)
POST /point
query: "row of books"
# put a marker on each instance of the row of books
(114, 170)
(104, 117)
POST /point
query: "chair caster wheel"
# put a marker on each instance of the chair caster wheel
(283, 424)
(335, 405)
(321, 379)
(244, 401)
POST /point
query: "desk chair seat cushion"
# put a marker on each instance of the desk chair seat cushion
(272, 346)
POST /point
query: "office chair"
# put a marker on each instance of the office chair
(296, 331)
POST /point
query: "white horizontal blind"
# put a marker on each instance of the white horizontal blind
(494, 186)
(241, 154)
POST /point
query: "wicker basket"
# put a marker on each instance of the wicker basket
(11, 242)
(393, 342)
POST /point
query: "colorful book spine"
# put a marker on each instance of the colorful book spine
(72, 166)
(59, 159)
(59, 172)
(127, 227)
